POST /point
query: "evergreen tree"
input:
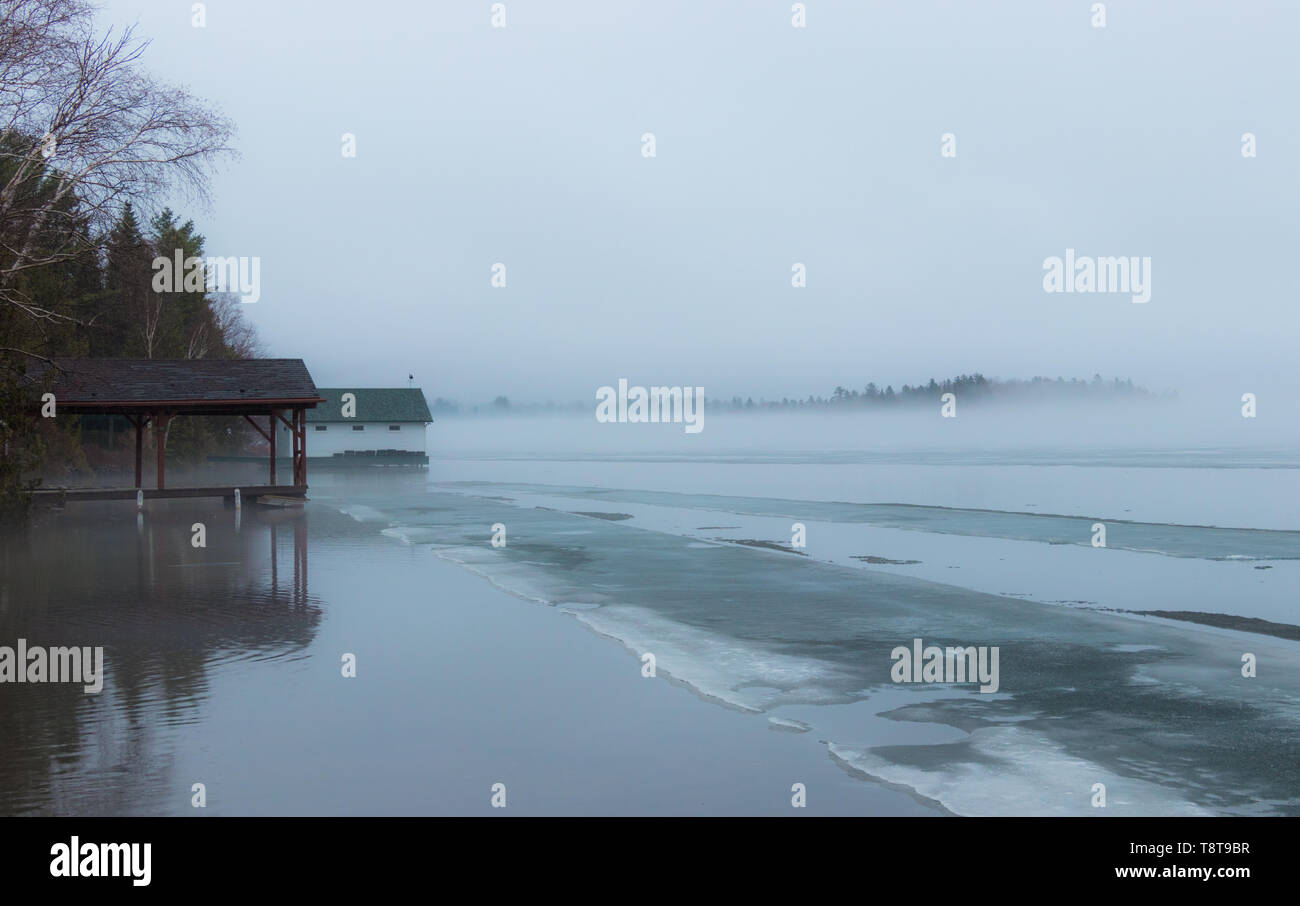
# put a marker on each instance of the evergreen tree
(130, 322)
(187, 325)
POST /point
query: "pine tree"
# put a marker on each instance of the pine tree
(130, 322)
(189, 330)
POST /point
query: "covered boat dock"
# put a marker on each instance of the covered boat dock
(154, 391)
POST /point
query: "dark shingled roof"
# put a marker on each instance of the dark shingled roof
(374, 404)
(202, 383)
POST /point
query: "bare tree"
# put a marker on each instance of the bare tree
(223, 330)
(85, 129)
(230, 322)
(147, 309)
(200, 343)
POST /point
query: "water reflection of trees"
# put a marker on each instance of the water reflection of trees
(165, 613)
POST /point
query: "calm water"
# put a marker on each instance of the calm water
(223, 668)
(478, 664)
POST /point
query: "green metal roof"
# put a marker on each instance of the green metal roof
(374, 404)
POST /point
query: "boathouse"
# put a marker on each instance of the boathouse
(369, 426)
(151, 392)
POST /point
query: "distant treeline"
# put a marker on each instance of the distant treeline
(966, 387)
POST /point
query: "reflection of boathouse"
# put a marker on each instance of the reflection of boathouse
(171, 617)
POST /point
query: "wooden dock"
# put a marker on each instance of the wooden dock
(352, 460)
(69, 495)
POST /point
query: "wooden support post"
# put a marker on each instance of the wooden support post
(300, 473)
(292, 424)
(297, 425)
(139, 451)
(271, 439)
(160, 438)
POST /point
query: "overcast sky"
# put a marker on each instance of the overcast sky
(774, 145)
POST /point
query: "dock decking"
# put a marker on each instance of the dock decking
(245, 493)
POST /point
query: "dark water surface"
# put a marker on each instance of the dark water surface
(223, 667)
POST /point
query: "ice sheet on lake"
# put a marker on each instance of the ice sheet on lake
(1155, 710)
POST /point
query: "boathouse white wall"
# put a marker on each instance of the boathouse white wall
(340, 437)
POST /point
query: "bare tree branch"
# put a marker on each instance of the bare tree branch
(84, 130)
